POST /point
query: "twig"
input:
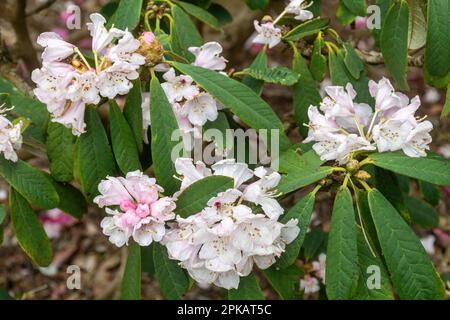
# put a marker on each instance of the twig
(43, 6)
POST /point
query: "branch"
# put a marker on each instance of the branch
(374, 57)
(43, 6)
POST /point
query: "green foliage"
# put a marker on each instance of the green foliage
(260, 62)
(257, 4)
(131, 280)
(248, 289)
(60, 148)
(184, 34)
(284, 281)
(307, 28)
(127, 15)
(280, 75)
(422, 213)
(132, 112)
(200, 14)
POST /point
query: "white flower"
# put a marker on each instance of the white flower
(125, 50)
(418, 140)
(10, 138)
(229, 168)
(297, 7)
(71, 115)
(391, 135)
(178, 88)
(56, 49)
(428, 243)
(319, 266)
(84, 87)
(309, 284)
(189, 172)
(267, 34)
(208, 56)
(146, 121)
(200, 109)
(261, 192)
(384, 94)
(116, 79)
(101, 37)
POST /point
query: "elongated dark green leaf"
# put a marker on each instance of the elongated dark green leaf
(216, 131)
(411, 271)
(147, 262)
(257, 4)
(305, 93)
(357, 7)
(29, 232)
(127, 15)
(352, 61)
(318, 61)
(248, 289)
(417, 25)
(240, 99)
(342, 253)
(2, 219)
(344, 15)
(60, 143)
(302, 211)
(259, 63)
(200, 14)
(306, 29)
(422, 213)
(373, 280)
(383, 7)
(221, 14)
(394, 42)
(340, 76)
(284, 281)
(433, 169)
(131, 281)
(94, 159)
(194, 198)
(281, 75)
(302, 177)
(315, 240)
(30, 182)
(71, 200)
(133, 112)
(164, 124)
(430, 192)
(437, 51)
(387, 183)
(122, 139)
(446, 109)
(184, 34)
(173, 282)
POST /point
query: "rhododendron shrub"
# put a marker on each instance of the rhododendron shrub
(106, 120)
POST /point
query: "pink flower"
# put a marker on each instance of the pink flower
(148, 37)
(54, 221)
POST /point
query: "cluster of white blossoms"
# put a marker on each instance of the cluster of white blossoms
(192, 106)
(67, 82)
(311, 281)
(10, 137)
(270, 34)
(221, 243)
(346, 127)
(135, 208)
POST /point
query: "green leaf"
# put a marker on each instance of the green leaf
(30, 182)
(184, 34)
(342, 253)
(430, 192)
(147, 262)
(29, 232)
(352, 61)
(221, 14)
(344, 15)
(314, 241)
(260, 62)
(307, 28)
(194, 198)
(280, 75)
(302, 211)
(163, 125)
(368, 268)
(437, 50)
(318, 61)
(122, 140)
(93, 158)
(257, 4)
(302, 177)
(2, 219)
(173, 282)
(433, 168)
(60, 145)
(248, 289)
(216, 131)
(411, 271)
(284, 281)
(417, 25)
(340, 76)
(422, 213)
(133, 112)
(127, 15)
(200, 14)
(387, 183)
(357, 7)
(305, 93)
(383, 6)
(394, 42)
(240, 99)
(131, 280)
(71, 200)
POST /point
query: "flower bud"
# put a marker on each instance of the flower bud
(352, 165)
(266, 19)
(362, 175)
(150, 48)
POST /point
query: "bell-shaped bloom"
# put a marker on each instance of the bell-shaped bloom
(384, 94)
(309, 284)
(10, 138)
(297, 8)
(101, 37)
(56, 49)
(267, 34)
(418, 140)
(230, 168)
(178, 88)
(391, 135)
(200, 109)
(208, 56)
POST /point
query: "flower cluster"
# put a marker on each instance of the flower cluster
(10, 137)
(269, 33)
(346, 127)
(310, 282)
(135, 209)
(67, 82)
(221, 243)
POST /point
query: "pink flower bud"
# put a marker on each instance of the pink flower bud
(142, 210)
(148, 37)
(126, 205)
